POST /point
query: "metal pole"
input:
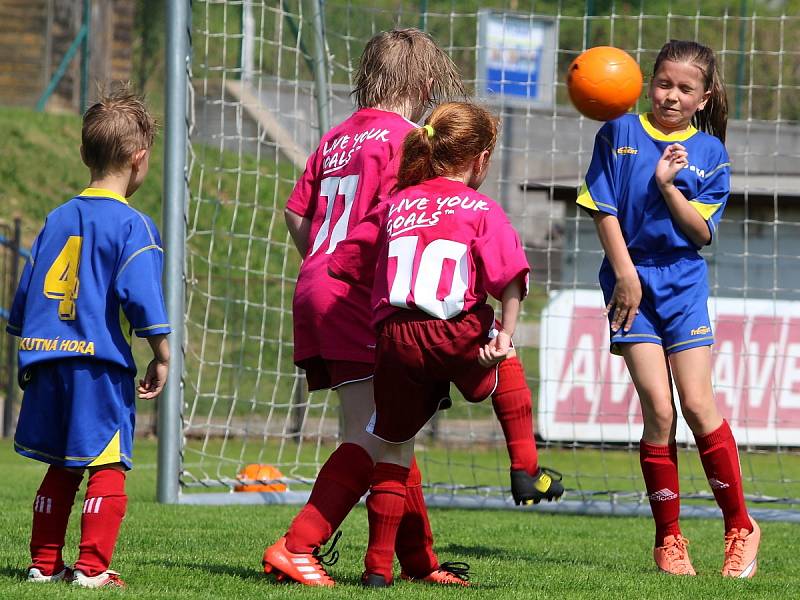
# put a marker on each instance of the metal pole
(87, 24)
(175, 194)
(11, 344)
(321, 68)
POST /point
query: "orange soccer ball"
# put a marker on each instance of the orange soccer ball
(604, 82)
(254, 474)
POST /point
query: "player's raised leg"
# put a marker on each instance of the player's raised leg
(720, 458)
(512, 405)
(658, 454)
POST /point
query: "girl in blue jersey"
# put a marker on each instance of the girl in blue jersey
(656, 187)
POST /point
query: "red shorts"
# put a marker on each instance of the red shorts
(417, 356)
(323, 374)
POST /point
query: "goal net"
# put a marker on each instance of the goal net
(265, 75)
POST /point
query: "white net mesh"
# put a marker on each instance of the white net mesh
(253, 118)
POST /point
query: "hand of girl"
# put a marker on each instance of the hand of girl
(669, 165)
(495, 351)
(625, 301)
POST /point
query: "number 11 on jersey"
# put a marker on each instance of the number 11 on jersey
(332, 188)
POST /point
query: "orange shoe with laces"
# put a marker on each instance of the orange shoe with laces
(673, 556)
(741, 550)
(448, 573)
(308, 569)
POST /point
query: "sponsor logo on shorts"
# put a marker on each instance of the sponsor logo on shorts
(627, 150)
(705, 329)
(716, 484)
(663, 495)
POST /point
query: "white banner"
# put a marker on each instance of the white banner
(586, 393)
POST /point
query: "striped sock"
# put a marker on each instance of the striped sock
(103, 510)
(51, 510)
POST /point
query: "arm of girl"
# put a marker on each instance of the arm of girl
(690, 222)
(497, 349)
(299, 228)
(628, 289)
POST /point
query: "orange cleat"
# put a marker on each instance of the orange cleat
(741, 550)
(449, 573)
(673, 556)
(307, 569)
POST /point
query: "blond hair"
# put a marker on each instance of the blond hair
(114, 128)
(453, 135)
(399, 65)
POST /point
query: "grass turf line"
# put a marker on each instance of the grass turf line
(202, 552)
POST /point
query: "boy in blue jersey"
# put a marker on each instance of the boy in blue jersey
(656, 187)
(93, 279)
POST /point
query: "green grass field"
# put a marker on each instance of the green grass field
(214, 552)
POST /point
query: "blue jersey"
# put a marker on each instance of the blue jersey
(93, 278)
(621, 182)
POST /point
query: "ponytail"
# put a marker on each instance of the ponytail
(453, 135)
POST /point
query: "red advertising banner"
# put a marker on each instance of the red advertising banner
(586, 393)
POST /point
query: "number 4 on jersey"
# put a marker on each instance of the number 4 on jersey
(61, 281)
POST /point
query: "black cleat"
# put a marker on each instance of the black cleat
(532, 489)
(373, 580)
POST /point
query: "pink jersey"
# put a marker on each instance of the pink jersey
(355, 164)
(439, 247)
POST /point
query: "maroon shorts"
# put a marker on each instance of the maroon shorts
(323, 374)
(417, 357)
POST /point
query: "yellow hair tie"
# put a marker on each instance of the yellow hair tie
(429, 129)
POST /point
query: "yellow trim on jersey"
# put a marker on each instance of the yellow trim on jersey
(700, 339)
(706, 210)
(717, 168)
(137, 253)
(151, 327)
(585, 199)
(65, 458)
(125, 326)
(111, 453)
(102, 193)
(617, 338)
(675, 136)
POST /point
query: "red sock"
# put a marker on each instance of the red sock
(660, 470)
(341, 482)
(385, 507)
(414, 544)
(50, 517)
(720, 459)
(512, 405)
(103, 510)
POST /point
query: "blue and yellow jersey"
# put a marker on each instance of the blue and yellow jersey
(621, 182)
(93, 278)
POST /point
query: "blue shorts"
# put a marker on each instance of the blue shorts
(77, 413)
(674, 308)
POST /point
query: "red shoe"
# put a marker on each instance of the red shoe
(449, 573)
(741, 552)
(673, 556)
(307, 569)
